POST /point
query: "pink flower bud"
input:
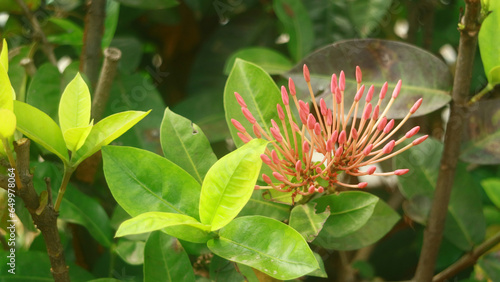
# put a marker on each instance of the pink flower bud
(276, 134)
(389, 126)
(367, 111)
(329, 145)
(298, 166)
(311, 189)
(238, 125)
(291, 86)
(318, 170)
(310, 121)
(333, 85)
(279, 176)
(240, 100)
(359, 94)
(383, 91)
(342, 137)
(284, 95)
(358, 74)
(266, 179)
(243, 137)
(317, 129)
(304, 107)
(395, 93)
(338, 96)
(334, 136)
(419, 140)
(371, 170)
(248, 115)
(307, 77)
(323, 107)
(342, 81)
(382, 124)
(369, 95)
(389, 147)
(412, 132)
(415, 106)
(256, 187)
(320, 189)
(401, 171)
(295, 127)
(375, 112)
(276, 159)
(329, 117)
(339, 152)
(275, 125)
(281, 114)
(256, 131)
(305, 147)
(354, 133)
(303, 117)
(362, 184)
(265, 159)
(368, 150)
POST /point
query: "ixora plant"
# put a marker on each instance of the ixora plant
(196, 198)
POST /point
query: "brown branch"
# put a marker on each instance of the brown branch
(108, 72)
(468, 259)
(46, 46)
(434, 230)
(92, 38)
(46, 221)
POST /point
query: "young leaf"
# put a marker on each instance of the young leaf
(6, 91)
(8, 125)
(229, 184)
(164, 260)
(489, 42)
(74, 107)
(105, 131)
(307, 221)
(75, 137)
(184, 143)
(141, 182)
(267, 245)
(49, 135)
(4, 56)
(492, 188)
(152, 221)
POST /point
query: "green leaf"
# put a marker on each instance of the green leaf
(110, 23)
(492, 188)
(423, 74)
(132, 252)
(271, 61)
(151, 4)
(489, 42)
(75, 137)
(229, 184)
(223, 270)
(74, 107)
(349, 211)
(257, 205)
(44, 90)
(258, 90)
(8, 125)
(71, 34)
(152, 221)
(165, 260)
(49, 135)
(267, 245)
(379, 224)
(141, 186)
(306, 221)
(6, 91)
(105, 131)
(297, 23)
(4, 56)
(321, 271)
(367, 15)
(184, 144)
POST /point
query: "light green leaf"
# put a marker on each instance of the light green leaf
(229, 184)
(105, 131)
(30, 121)
(8, 125)
(271, 61)
(75, 137)
(257, 205)
(489, 41)
(74, 107)
(492, 188)
(273, 247)
(4, 55)
(6, 90)
(184, 143)
(165, 260)
(307, 221)
(152, 221)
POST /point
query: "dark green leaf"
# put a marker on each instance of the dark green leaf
(490, 265)
(257, 205)
(110, 23)
(131, 49)
(166, 260)
(321, 271)
(150, 4)
(269, 60)
(71, 34)
(367, 15)
(224, 270)
(273, 247)
(44, 90)
(306, 221)
(492, 188)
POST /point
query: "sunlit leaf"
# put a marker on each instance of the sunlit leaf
(4, 55)
(74, 107)
(489, 42)
(307, 221)
(8, 125)
(492, 188)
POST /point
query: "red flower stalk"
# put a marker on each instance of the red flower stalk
(340, 149)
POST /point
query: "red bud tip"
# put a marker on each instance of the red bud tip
(307, 77)
(275, 125)
(359, 94)
(367, 111)
(333, 85)
(305, 147)
(238, 125)
(371, 170)
(240, 100)
(298, 166)
(278, 176)
(354, 133)
(311, 189)
(342, 137)
(369, 95)
(338, 96)
(291, 86)
(401, 171)
(311, 121)
(318, 170)
(415, 106)
(284, 96)
(276, 134)
(243, 138)
(274, 155)
(342, 81)
(265, 159)
(329, 117)
(382, 124)
(358, 75)
(329, 145)
(320, 189)
(317, 129)
(266, 179)
(395, 93)
(248, 115)
(256, 131)
(389, 126)
(419, 140)
(334, 136)
(339, 152)
(383, 91)
(412, 132)
(362, 184)
(303, 107)
(295, 127)
(368, 150)
(323, 107)
(256, 187)
(389, 147)
(281, 114)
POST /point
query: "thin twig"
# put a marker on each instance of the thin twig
(92, 38)
(434, 230)
(46, 46)
(108, 72)
(468, 259)
(29, 66)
